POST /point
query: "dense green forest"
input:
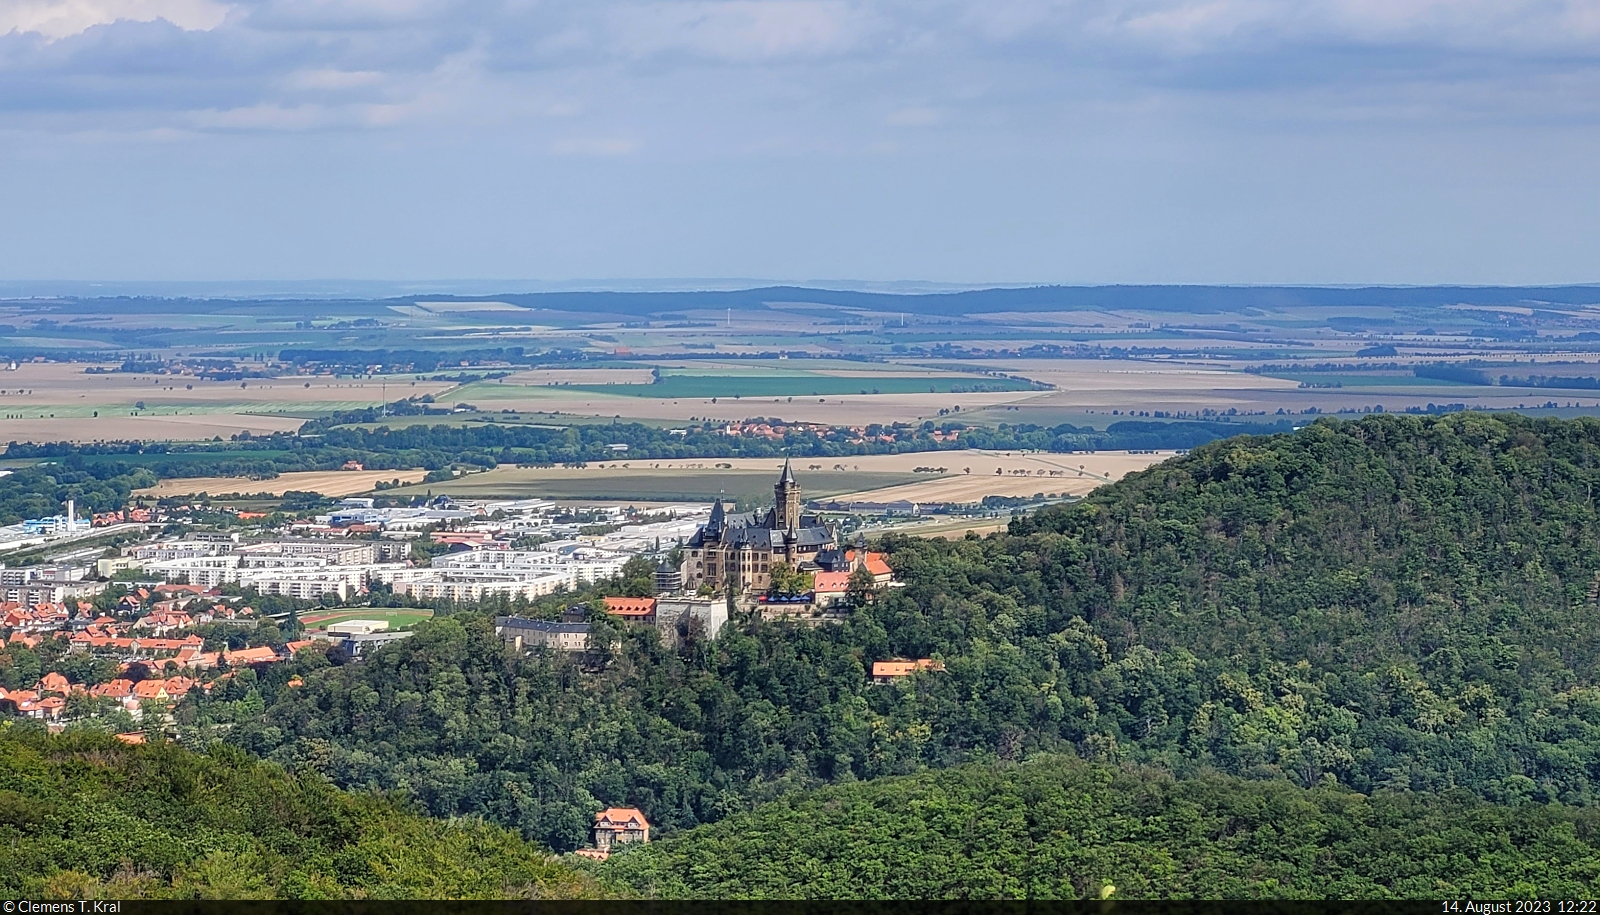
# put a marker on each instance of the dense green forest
(43, 490)
(1394, 603)
(86, 817)
(1056, 827)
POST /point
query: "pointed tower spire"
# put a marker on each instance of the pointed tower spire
(718, 518)
(786, 510)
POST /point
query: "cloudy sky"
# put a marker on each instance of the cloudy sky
(966, 141)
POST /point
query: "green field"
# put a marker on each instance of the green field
(181, 457)
(397, 619)
(1400, 381)
(647, 485)
(800, 385)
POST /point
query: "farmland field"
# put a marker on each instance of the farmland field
(682, 386)
(699, 485)
(946, 476)
(326, 482)
(49, 402)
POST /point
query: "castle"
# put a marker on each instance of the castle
(741, 549)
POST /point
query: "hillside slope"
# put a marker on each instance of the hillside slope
(85, 817)
(1392, 603)
(1056, 827)
(1397, 602)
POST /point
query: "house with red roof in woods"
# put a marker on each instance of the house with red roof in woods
(615, 826)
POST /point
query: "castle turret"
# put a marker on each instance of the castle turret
(718, 520)
(786, 512)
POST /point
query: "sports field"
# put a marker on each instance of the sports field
(396, 618)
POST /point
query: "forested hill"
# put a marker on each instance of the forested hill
(1395, 603)
(1057, 827)
(86, 817)
(1400, 602)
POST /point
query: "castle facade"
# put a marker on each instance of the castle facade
(738, 550)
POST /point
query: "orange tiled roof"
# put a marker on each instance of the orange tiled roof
(904, 668)
(150, 689)
(252, 656)
(830, 582)
(631, 606)
(620, 817)
(116, 689)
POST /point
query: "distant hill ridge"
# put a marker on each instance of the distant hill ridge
(1192, 299)
(1165, 298)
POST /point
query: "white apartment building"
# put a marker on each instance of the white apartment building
(332, 552)
(582, 565)
(301, 576)
(468, 589)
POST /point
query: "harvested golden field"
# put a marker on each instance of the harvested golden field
(849, 410)
(1019, 474)
(327, 482)
(187, 427)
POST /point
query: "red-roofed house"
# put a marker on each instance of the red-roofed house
(178, 687)
(49, 707)
(54, 683)
(148, 690)
(619, 826)
(116, 689)
(260, 655)
(829, 587)
(638, 609)
(889, 671)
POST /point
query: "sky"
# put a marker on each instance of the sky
(943, 141)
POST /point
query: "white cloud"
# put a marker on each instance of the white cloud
(748, 74)
(57, 19)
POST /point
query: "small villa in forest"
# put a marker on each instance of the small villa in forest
(890, 671)
(616, 826)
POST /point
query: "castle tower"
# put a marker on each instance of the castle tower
(786, 514)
